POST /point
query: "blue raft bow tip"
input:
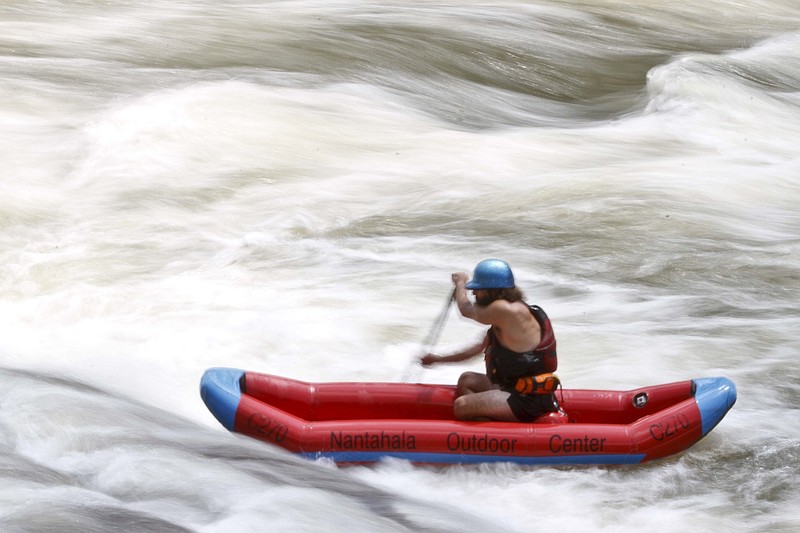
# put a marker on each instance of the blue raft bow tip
(221, 391)
(714, 397)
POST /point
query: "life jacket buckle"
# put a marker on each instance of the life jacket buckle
(538, 384)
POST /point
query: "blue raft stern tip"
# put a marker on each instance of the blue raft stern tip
(221, 391)
(714, 397)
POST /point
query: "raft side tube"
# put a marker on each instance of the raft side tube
(714, 397)
(221, 391)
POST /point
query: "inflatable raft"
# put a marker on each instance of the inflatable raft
(365, 422)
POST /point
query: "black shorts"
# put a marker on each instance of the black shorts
(529, 407)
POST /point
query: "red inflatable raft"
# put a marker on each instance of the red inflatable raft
(364, 422)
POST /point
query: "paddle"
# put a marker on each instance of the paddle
(413, 367)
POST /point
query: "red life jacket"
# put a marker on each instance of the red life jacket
(505, 367)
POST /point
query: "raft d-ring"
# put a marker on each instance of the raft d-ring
(640, 400)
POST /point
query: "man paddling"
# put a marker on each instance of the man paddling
(519, 347)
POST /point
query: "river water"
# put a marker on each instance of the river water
(286, 186)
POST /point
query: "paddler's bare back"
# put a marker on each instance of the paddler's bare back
(518, 330)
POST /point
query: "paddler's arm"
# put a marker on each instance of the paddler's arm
(465, 306)
(494, 313)
(463, 355)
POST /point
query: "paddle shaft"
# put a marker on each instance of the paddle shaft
(413, 367)
(436, 331)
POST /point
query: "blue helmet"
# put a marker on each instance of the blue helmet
(491, 274)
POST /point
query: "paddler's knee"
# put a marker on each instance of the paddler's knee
(471, 382)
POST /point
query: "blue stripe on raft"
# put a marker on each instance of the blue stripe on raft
(452, 458)
(714, 397)
(221, 392)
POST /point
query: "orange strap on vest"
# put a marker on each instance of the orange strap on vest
(539, 384)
